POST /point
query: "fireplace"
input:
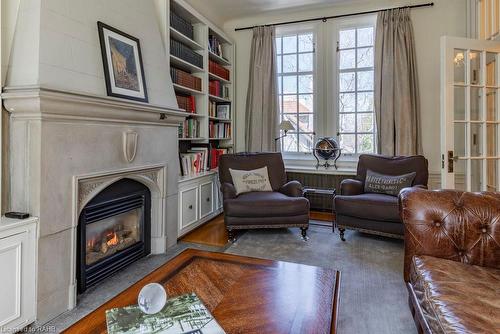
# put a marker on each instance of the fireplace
(114, 230)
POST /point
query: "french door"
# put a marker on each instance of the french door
(470, 114)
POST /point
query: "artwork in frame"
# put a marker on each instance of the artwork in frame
(122, 60)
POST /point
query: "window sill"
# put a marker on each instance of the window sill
(307, 164)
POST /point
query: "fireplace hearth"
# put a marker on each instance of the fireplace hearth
(114, 230)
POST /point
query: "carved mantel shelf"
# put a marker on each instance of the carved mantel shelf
(40, 103)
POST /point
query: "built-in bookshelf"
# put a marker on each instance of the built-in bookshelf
(201, 67)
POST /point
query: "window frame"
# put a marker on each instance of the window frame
(283, 31)
(347, 24)
(326, 109)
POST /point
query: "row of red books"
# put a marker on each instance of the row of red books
(186, 102)
(185, 79)
(215, 154)
(216, 88)
(218, 70)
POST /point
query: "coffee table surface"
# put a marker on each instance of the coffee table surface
(245, 295)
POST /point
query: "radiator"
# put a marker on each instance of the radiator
(323, 181)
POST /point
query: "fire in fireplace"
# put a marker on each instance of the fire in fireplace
(114, 231)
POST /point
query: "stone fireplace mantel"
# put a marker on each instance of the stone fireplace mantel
(39, 102)
(64, 147)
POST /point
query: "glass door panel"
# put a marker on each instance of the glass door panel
(471, 137)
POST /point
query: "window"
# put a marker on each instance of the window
(296, 65)
(355, 68)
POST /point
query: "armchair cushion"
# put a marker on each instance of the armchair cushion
(456, 297)
(369, 206)
(265, 204)
(246, 181)
(350, 187)
(292, 189)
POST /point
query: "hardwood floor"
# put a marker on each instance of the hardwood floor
(213, 233)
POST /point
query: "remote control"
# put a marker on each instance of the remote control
(17, 215)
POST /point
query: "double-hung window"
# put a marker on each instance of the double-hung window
(355, 68)
(295, 67)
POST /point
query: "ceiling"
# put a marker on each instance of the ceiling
(221, 11)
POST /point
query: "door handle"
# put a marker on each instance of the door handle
(451, 160)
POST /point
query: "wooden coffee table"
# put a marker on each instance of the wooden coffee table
(245, 295)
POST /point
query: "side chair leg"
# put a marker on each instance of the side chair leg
(341, 233)
(231, 236)
(304, 233)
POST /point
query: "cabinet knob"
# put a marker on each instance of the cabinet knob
(190, 207)
(208, 199)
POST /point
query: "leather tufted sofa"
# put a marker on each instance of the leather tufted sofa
(283, 207)
(452, 260)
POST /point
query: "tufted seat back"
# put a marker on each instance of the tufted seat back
(453, 225)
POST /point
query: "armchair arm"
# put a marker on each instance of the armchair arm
(292, 189)
(351, 187)
(446, 224)
(228, 191)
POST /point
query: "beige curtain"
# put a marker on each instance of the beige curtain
(262, 99)
(397, 104)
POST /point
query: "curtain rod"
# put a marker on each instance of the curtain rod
(325, 18)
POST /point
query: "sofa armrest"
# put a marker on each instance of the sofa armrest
(351, 187)
(228, 191)
(292, 189)
(446, 224)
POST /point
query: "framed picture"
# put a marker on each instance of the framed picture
(224, 110)
(122, 59)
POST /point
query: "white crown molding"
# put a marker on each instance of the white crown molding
(35, 102)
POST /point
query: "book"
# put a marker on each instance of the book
(181, 315)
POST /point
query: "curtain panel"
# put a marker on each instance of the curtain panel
(261, 117)
(397, 100)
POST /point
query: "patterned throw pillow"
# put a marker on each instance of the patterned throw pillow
(387, 184)
(250, 180)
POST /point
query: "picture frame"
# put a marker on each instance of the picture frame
(122, 61)
(223, 110)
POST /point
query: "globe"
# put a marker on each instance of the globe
(327, 148)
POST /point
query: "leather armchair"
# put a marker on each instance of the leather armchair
(283, 207)
(376, 213)
(452, 259)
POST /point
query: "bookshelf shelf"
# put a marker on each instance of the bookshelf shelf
(218, 59)
(193, 139)
(196, 176)
(184, 65)
(223, 120)
(187, 90)
(220, 138)
(218, 99)
(190, 114)
(177, 35)
(216, 77)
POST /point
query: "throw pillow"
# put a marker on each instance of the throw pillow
(250, 180)
(387, 184)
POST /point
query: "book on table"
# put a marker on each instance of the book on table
(181, 315)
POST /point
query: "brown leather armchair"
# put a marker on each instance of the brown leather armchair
(283, 207)
(452, 260)
(376, 213)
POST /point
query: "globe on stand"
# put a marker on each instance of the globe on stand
(326, 148)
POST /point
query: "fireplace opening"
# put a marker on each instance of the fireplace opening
(114, 230)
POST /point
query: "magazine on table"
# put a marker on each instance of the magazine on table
(184, 314)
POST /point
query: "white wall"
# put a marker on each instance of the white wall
(447, 17)
(56, 45)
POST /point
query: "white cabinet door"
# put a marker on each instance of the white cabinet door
(206, 199)
(188, 207)
(17, 281)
